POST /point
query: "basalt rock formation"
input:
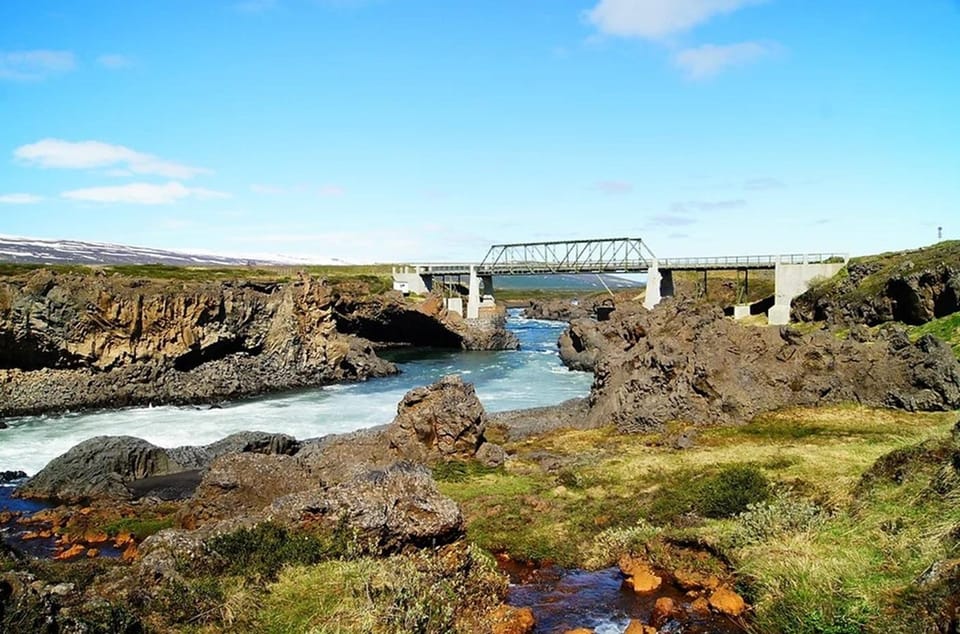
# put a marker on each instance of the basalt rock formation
(79, 341)
(72, 341)
(909, 287)
(559, 309)
(106, 467)
(388, 319)
(684, 361)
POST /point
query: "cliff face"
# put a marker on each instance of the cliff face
(912, 287)
(69, 341)
(689, 363)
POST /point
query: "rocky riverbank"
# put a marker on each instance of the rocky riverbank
(80, 341)
(687, 362)
(364, 498)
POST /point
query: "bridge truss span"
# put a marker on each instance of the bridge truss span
(609, 255)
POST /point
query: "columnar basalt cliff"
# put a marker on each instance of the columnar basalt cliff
(76, 341)
(687, 362)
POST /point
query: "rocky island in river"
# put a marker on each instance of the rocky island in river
(726, 476)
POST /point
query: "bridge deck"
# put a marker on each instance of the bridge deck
(629, 265)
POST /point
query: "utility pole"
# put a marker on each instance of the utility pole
(939, 234)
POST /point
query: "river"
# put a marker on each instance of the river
(530, 377)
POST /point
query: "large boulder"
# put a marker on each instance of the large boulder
(438, 422)
(390, 509)
(110, 467)
(240, 483)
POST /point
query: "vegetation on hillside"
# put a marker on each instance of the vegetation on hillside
(821, 539)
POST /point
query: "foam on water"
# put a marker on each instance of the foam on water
(530, 377)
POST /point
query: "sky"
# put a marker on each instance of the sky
(413, 130)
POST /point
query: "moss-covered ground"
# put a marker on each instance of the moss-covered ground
(816, 545)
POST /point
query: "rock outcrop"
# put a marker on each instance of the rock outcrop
(388, 509)
(910, 287)
(73, 341)
(106, 467)
(440, 422)
(684, 361)
(389, 319)
(559, 309)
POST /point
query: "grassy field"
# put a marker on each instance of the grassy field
(783, 502)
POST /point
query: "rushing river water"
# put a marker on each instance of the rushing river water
(530, 377)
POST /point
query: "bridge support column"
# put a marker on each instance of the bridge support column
(741, 311)
(659, 285)
(791, 280)
(473, 297)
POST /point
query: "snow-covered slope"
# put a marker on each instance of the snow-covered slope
(33, 251)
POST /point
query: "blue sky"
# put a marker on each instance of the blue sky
(404, 130)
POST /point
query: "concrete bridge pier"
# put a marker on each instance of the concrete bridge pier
(792, 280)
(659, 285)
(480, 286)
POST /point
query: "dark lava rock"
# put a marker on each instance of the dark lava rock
(11, 476)
(909, 293)
(391, 508)
(438, 422)
(559, 309)
(121, 467)
(683, 361)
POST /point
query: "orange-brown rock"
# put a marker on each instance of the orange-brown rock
(663, 610)
(507, 619)
(638, 627)
(692, 580)
(579, 630)
(74, 551)
(30, 535)
(640, 576)
(124, 538)
(130, 554)
(700, 605)
(95, 537)
(93, 552)
(726, 601)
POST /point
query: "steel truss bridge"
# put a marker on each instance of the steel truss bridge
(607, 255)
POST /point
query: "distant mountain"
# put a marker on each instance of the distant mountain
(34, 251)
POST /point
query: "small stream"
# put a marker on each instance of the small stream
(564, 599)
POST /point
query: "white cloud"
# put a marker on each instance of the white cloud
(710, 59)
(56, 153)
(35, 65)
(331, 191)
(19, 199)
(142, 194)
(656, 19)
(115, 61)
(612, 188)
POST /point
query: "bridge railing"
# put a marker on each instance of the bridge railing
(749, 261)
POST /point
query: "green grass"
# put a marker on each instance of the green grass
(816, 547)
(945, 328)
(139, 527)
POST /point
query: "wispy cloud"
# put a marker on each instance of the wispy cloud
(331, 191)
(56, 153)
(142, 194)
(657, 19)
(671, 220)
(763, 184)
(35, 65)
(709, 60)
(19, 199)
(613, 187)
(695, 206)
(115, 61)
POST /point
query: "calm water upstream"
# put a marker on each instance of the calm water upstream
(530, 377)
